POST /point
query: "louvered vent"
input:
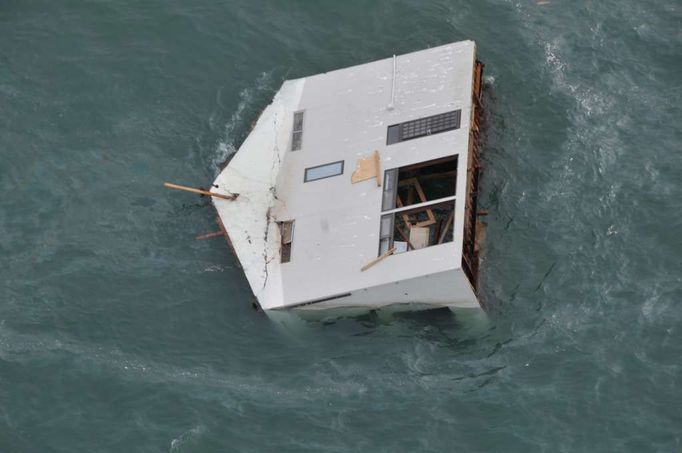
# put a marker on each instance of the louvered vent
(423, 126)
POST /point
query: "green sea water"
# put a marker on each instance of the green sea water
(121, 333)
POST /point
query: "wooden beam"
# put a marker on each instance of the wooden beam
(201, 191)
(407, 239)
(399, 203)
(451, 217)
(414, 182)
(422, 197)
(209, 235)
(406, 217)
(378, 259)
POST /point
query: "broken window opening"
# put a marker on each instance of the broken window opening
(297, 132)
(417, 228)
(419, 183)
(286, 230)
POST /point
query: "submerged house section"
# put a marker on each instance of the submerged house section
(358, 186)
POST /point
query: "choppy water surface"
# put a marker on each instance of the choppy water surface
(120, 332)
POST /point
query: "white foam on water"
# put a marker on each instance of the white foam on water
(227, 145)
(595, 122)
(214, 268)
(187, 436)
(230, 388)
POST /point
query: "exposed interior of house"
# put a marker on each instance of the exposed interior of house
(419, 205)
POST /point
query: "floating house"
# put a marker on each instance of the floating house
(357, 187)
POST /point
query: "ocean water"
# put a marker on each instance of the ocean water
(121, 333)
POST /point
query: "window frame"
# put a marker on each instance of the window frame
(392, 182)
(295, 131)
(389, 198)
(307, 179)
(397, 211)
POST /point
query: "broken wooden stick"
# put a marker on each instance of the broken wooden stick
(201, 237)
(201, 191)
(388, 253)
(451, 217)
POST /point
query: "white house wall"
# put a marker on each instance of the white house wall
(448, 289)
(336, 222)
(346, 118)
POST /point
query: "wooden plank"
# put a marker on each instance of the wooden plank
(378, 259)
(426, 223)
(451, 217)
(209, 235)
(420, 191)
(478, 76)
(410, 196)
(406, 217)
(420, 237)
(422, 197)
(406, 239)
(367, 168)
(201, 191)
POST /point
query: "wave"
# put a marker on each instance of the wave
(186, 437)
(227, 145)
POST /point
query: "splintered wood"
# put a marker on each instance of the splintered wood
(201, 237)
(422, 198)
(368, 168)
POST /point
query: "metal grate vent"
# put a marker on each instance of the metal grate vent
(424, 126)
